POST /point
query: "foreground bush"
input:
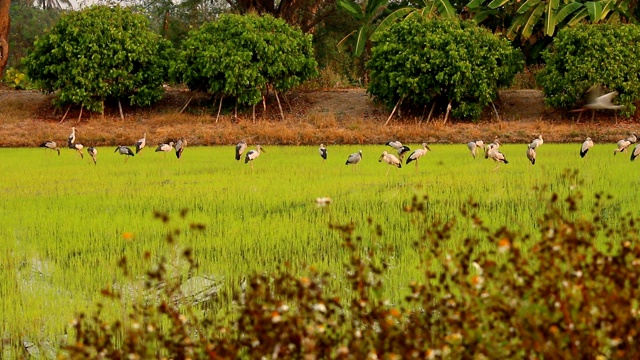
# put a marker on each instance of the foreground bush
(424, 62)
(603, 55)
(569, 291)
(100, 54)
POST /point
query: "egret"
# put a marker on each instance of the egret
(50, 145)
(636, 152)
(537, 142)
(418, 153)
(72, 138)
(354, 158)
(401, 149)
(495, 155)
(240, 148)
(391, 160)
(123, 150)
(323, 152)
(253, 154)
(165, 148)
(140, 144)
(586, 145)
(78, 148)
(622, 146)
(93, 152)
(474, 145)
(531, 153)
(180, 145)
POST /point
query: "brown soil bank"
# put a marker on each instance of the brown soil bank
(340, 116)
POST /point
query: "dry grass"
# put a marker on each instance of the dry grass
(344, 116)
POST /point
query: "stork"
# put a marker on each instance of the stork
(636, 152)
(401, 149)
(495, 155)
(140, 144)
(50, 145)
(123, 150)
(72, 138)
(586, 145)
(323, 152)
(354, 158)
(474, 145)
(391, 160)
(494, 145)
(253, 154)
(240, 148)
(180, 145)
(622, 146)
(165, 148)
(93, 152)
(418, 153)
(632, 138)
(537, 142)
(78, 148)
(595, 101)
(531, 153)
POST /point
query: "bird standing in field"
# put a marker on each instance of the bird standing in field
(635, 152)
(240, 148)
(622, 146)
(78, 148)
(537, 142)
(354, 158)
(495, 155)
(632, 138)
(140, 144)
(391, 160)
(531, 153)
(418, 153)
(123, 150)
(93, 152)
(400, 149)
(253, 154)
(165, 148)
(323, 152)
(586, 145)
(180, 145)
(494, 145)
(474, 145)
(50, 145)
(72, 138)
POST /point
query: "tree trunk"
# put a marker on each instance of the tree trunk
(4, 34)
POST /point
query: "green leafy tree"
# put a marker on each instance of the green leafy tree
(100, 53)
(592, 55)
(421, 62)
(365, 14)
(239, 56)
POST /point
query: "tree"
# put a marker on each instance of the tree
(303, 13)
(5, 22)
(365, 15)
(100, 54)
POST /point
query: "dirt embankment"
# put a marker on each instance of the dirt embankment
(338, 116)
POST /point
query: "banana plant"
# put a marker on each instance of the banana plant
(366, 15)
(421, 8)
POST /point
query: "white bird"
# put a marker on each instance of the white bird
(495, 155)
(72, 138)
(474, 145)
(253, 154)
(123, 150)
(240, 148)
(531, 153)
(418, 153)
(354, 158)
(537, 142)
(400, 149)
(323, 201)
(180, 145)
(622, 146)
(494, 145)
(632, 138)
(636, 152)
(78, 148)
(586, 145)
(603, 102)
(165, 148)
(391, 160)
(323, 152)
(93, 152)
(50, 145)
(140, 144)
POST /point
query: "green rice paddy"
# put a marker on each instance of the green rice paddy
(66, 222)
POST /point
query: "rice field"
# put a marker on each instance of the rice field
(66, 222)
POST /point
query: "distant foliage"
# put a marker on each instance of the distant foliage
(98, 54)
(16, 79)
(587, 55)
(422, 61)
(239, 55)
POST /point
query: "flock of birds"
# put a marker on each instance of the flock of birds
(122, 150)
(491, 151)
